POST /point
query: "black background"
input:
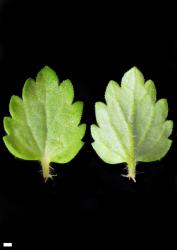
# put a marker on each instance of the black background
(89, 44)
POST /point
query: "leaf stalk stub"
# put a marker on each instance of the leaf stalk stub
(47, 170)
(131, 168)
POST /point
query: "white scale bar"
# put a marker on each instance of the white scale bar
(7, 244)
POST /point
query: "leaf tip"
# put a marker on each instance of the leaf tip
(134, 69)
(47, 74)
(133, 75)
(46, 68)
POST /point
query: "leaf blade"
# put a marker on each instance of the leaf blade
(139, 123)
(45, 123)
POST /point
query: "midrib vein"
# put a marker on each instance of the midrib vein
(46, 124)
(132, 127)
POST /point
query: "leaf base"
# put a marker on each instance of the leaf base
(47, 170)
(129, 177)
(131, 168)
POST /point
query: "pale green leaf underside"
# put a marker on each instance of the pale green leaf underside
(45, 122)
(132, 126)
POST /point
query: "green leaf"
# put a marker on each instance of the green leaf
(44, 124)
(132, 126)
